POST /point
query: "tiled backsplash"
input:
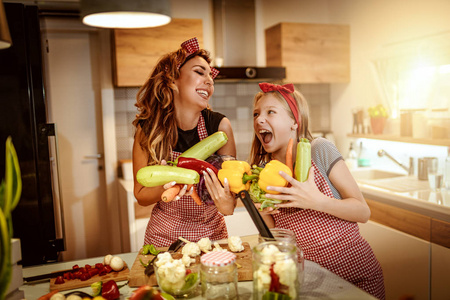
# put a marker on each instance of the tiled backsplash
(233, 100)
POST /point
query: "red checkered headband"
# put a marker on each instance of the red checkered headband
(191, 46)
(285, 91)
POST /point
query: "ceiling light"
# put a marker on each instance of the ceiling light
(5, 37)
(125, 13)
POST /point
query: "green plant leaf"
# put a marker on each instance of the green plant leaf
(5, 252)
(16, 176)
(10, 191)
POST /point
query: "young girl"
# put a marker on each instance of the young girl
(322, 211)
(173, 116)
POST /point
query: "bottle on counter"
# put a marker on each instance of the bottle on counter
(447, 170)
(352, 158)
(363, 159)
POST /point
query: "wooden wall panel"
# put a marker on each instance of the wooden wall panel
(311, 53)
(136, 51)
(401, 219)
(440, 233)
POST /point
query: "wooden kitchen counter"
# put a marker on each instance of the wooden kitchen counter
(319, 283)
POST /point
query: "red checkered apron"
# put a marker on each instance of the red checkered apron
(334, 243)
(184, 217)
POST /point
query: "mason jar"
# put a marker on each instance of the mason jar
(286, 235)
(276, 270)
(218, 275)
(279, 234)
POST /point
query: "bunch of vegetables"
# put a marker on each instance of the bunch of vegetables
(186, 169)
(10, 191)
(255, 179)
(110, 264)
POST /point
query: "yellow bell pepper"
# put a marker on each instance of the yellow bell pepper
(269, 176)
(238, 173)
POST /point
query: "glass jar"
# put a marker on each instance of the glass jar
(279, 234)
(173, 282)
(286, 235)
(276, 270)
(218, 275)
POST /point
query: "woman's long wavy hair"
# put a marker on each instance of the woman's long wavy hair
(258, 155)
(156, 109)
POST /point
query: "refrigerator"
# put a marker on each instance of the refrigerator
(37, 220)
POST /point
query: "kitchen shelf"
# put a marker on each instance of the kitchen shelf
(403, 139)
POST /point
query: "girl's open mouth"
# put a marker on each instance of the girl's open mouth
(266, 136)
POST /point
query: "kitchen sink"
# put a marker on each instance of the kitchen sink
(371, 174)
(392, 181)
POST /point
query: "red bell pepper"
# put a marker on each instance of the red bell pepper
(197, 165)
(275, 282)
(110, 290)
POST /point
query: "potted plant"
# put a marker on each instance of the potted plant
(10, 191)
(378, 116)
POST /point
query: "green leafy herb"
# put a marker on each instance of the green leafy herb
(150, 249)
(258, 195)
(189, 281)
(275, 296)
(96, 288)
(142, 263)
(167, 296)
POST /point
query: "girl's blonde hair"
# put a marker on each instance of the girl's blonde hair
(257, 153)
(156, 109)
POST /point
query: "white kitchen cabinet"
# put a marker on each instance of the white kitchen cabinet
(440, 272)
(133, 218)
(404, 258)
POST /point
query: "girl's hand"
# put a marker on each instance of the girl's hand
(267, 210)
(222, 196)
(304, 195)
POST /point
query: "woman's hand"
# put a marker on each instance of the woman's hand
(183, 190)
(304, 195)
(224, 199)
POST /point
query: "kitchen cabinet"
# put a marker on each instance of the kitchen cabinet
(136, 51)
(133, 218)
(413, 249)
(311, 53)
(440, 272)
(403, 258)
(426, 141)
(440, 259)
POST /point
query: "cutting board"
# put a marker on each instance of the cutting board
(77, 283)
(138, 278)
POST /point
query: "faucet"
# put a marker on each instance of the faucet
(409, 169)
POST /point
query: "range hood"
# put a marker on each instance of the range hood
(235, 43)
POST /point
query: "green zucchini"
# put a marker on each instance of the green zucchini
(159, 175)
(303, 160)
(206, 147)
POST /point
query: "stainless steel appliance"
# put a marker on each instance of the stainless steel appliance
(37, 218)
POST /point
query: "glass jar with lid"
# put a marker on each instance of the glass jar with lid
(276, 271)
(218, 275)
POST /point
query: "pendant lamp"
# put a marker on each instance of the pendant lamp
(125, 13)
(5, 36)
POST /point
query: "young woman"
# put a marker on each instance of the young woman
(173, 116)
(323, 210)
